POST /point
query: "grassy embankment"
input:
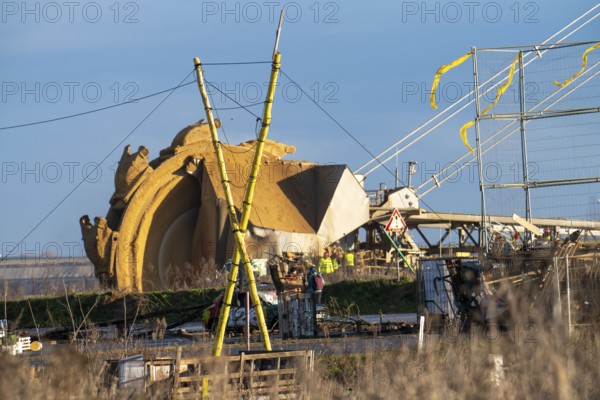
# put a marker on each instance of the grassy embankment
(371, 296)
(107, 307)
(374, 296)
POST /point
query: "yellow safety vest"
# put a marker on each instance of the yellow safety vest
(349, 259)
(326, 265)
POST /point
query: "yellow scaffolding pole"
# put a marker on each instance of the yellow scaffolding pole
(238, 229)
(247, 206)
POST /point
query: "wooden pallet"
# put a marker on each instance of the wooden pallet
(248, 375)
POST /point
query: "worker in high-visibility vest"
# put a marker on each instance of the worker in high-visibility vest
(337, 256)
(326, 264)
(349, 263)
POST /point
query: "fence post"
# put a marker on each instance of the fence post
(558, 309)
(421, 332)
(568, 294)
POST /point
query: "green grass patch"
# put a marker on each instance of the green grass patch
(98, 308)
(374, 296)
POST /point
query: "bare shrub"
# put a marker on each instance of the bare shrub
(190, 276)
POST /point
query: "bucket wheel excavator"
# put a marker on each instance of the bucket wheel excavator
(168, 215)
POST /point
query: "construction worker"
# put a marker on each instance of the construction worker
(315, 285)
(326, 263)
(349, 263)
(515, 238)
(337, 256)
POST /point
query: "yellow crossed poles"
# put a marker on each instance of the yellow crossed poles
(239, 229)
(247, 206)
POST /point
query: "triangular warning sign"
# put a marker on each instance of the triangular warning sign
(396, 222)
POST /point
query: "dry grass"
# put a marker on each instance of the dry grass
(70, 373)
(67, 375)
(532, 358)
(535, 364)
(538, 360)
(551, 367)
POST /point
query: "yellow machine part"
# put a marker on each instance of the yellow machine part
(168, 222)
(156, 225)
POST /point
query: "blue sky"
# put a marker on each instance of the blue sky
(369, 65)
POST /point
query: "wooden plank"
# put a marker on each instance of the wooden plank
(209, 359)
(224, 387)
(267, 384)
(197, 390)
(527, 225)
(176, 370)
(242, 357)
(159, 363)
(278, 376)
(270, 372)
(261, 386)
(251, 373)
(183, 396)
(275, 390)
(211, 377)
(185, 389)
(274, 355)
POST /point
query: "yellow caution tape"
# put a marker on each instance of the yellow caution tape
(441, 71)
(583, 64)
(463, 134)
(503, 88)
(499, 93)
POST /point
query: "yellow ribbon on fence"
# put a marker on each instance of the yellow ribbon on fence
(503, 88)
(441, 71)
(499, 93)
(463, 134)
(583, 64)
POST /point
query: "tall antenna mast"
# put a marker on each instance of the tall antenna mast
(277, 34)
